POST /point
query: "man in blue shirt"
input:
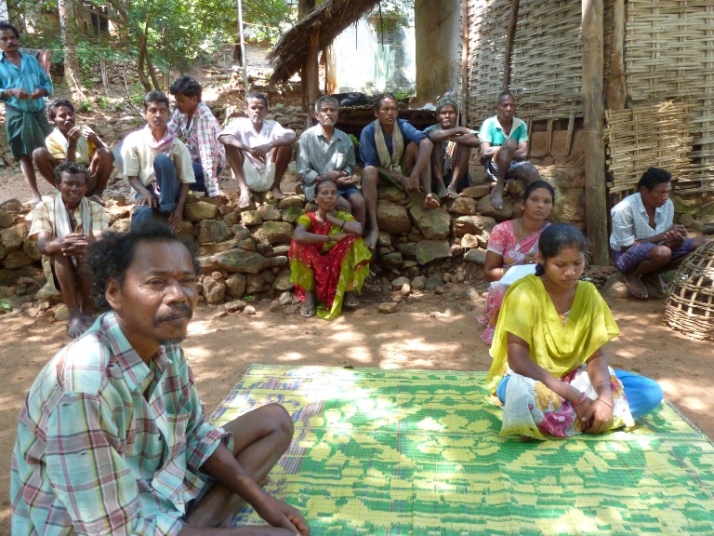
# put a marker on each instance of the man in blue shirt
(399, 156)
(23, 87)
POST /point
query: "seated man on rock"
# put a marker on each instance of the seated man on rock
(393, 151)
(257, 149)
(644, 238)
(504, 148)
(157, 166)
(194, 122)
(113, 438)
(452, 149)
(327, 153)
(73, 143)
(64, 228)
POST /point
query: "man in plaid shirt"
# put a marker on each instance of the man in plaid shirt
(198, 128)
(112, 438)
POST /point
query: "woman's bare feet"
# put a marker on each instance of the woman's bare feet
(350, 300)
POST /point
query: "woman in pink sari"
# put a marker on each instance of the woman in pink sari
(514, 242)
(328, 257)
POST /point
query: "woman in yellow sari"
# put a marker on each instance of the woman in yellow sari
(549, 367)
(328, 257)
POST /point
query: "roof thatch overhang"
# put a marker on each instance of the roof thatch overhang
(329, 19)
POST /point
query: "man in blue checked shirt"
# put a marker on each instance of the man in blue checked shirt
(112, 438)
(23, 87)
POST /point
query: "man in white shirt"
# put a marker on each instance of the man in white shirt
(157, 165)
(258, 150)
(644, 238)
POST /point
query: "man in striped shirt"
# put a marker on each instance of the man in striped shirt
(112, 438)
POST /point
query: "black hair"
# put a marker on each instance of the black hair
(556, 237)
(257, 95)
(5, 25)
(505, 93)
(110, 257)
(652, 177)
(381, 97)
(57, 103)
(155, 96)
(186, 85)
(325, 181)
(447, 101)
(535, 185)
(71, 168)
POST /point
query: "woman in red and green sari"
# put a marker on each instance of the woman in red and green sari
(328, 257)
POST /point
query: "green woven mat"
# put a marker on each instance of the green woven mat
(418, 452)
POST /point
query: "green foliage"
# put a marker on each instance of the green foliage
(103, 102)
(85, 106)
(264, 18)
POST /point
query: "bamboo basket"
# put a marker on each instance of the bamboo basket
(690, 305)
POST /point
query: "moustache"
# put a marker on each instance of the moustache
(177, 312)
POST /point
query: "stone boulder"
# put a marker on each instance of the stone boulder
(213, 231)
(476, 191)
(463, 205)
(235, 285)
(251, 218)
(392, 260)
(214, 291)
(282, 282)
(434, 224)
(234, 260)
(476, 255)
(430, 250)
(291, 214)
(392, 218)
(13, 237)
(269, 213)
(274, 232)
(241, 232)
(6, 219)
(29, 246)
(200, 210)
(485, 207)
(15, 260)
(472, 225)
(291, 201)
(391, 193)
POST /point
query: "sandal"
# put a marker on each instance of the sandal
(307, 312)
(350, 301)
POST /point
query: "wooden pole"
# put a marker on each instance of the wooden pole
(464, 105)
(616, 89)
(242, 45)
(311, 80)
(510, 37)
(595, 190)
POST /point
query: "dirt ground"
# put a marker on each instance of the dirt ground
(427, 332)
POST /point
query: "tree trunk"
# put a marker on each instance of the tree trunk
(304, 7)
(69, 45)
(594, 118)
(141, 60)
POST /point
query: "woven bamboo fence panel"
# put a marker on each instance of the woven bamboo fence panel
(643, 136)
(669, 55)
(546, 62)
(690, 304)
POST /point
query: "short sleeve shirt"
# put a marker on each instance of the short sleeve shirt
(138, 157)
(57, 144)
(242, 128)
(493, 133)
(43, 219)
(630, 221)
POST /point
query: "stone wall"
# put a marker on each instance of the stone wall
(245, 252)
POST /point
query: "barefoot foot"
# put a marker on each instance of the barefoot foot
(350, 300)
(76, 326)
(636, 286)
(371, 240)
(244, 200)
(451, 193)
(278, 194)
(431, 201)
(657, 282)
(497, 198)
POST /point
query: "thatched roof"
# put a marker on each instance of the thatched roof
(331, 19)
